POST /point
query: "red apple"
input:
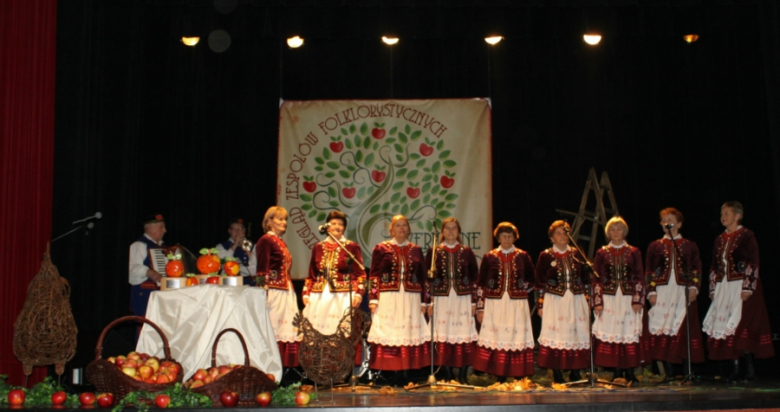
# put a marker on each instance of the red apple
(213, 372)
(413, 192)
(134, 356)
(263, 398)
(16, 397)
(378, 133)
(309, 186)
(104, 400)
(87, 398)
(130, 364)
(425, 150)
(214, 280)
(58, 398)
(336, 146)
(446, 182)
(171, 366)
(378, 176)
(302, 398)
(196, 384)
(349, 192)
(224, 369)
(112, 359)
(162, 400)
(229, 399)
(153, 363)
(145, 371)
(162, 379)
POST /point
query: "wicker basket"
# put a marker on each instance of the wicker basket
(108, 378)
(248, 381)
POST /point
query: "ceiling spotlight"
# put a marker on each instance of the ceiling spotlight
(493, 40)
(190, 41)
(690, 38)
(592, 39)
(390, 40)
(295, 42)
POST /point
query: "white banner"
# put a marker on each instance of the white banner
(424, 159)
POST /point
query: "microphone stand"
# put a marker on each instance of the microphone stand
(353, 380)
(89, 225)
(590, 324)
(431, 275)
(686, 275)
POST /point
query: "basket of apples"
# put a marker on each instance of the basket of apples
(231, 385)
(121, 375)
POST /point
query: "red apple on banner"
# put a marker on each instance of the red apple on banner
(425, 150)
(378, 176)
(336, 146)
(413, 192)
(446, 182)
(378, 133)
(349, 192)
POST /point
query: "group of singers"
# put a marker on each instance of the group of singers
(499, 295)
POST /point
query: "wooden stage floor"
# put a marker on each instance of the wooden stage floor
(651, 397)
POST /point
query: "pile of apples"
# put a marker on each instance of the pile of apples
(206, 376)
(145, 368)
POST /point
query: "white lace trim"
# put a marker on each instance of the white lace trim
(553, 344)
(505, 345)
(610, 338)
(389, 341)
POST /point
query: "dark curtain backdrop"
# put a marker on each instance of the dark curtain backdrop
(146, 125)
(28, 31)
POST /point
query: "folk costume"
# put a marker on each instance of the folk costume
(399, 334)
(735, 326)
(454, 294)
(561, 282)
(506, 343)
(666, 336)
(247, 261)
(273, 263)
(326, 289)
(617, 329)
(141, 287)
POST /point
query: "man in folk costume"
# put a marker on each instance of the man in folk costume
(506, 278)
(670, 277)
(233, 248)
(142, 278)
(737, 322)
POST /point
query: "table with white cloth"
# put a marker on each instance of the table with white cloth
(192, 317)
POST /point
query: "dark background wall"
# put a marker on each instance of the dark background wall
(146, 125)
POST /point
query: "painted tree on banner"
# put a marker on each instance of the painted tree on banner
(373, 173)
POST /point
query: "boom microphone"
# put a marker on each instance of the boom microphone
(324, 228)
(669, 226)
(97, 215)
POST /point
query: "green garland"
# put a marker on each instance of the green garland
(39, 395)
(181, 397)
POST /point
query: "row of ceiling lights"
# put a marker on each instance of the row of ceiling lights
(297, 41)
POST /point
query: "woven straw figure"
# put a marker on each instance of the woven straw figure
(45, 331)
(328, 358)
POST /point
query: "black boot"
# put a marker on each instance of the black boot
(463, 375)
(734, 372)
(630, 376)
(558, 376)
(668, 370)
(401, 378)
(750, 371)
(575, 375)
(618, 373)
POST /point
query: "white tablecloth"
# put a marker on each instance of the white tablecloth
(192, 317)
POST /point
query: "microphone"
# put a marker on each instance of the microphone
(669, 226)
(97, 215)
(324, 228)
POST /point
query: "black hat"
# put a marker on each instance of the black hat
(153, 219)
